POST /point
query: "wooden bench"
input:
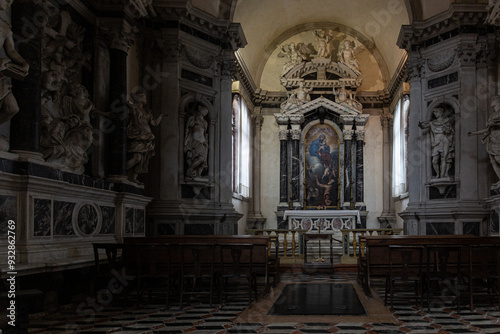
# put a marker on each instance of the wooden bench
(260, 254)
(374, 263)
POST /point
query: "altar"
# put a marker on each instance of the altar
(323, 221)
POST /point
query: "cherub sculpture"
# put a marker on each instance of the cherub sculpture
(324, 45)
(295, 54)
(347, 53)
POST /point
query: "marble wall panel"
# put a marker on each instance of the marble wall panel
(8, 210)
(108, 220)
(87, 219)
(42, 226)
(139, 221)
(129, 220)
(440, 228)
(199, 229)
(471, 228)
(63, 212)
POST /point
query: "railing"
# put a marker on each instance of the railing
(284, 239)
(349, 246)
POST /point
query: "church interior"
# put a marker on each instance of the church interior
(322, 147)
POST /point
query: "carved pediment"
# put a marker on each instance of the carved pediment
(339, 109)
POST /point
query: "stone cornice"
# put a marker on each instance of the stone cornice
(458, 15)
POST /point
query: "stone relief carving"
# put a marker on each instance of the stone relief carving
(441, 62)
(198, 58)
(66, 129)
(295, 54)
(442, 142)
(141, 145)
(347, 53)
(491, 138)
(11, 66)
(196, 144)
(297, 97)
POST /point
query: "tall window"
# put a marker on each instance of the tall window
(241, 147)
(399, 148)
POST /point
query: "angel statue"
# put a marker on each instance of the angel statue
(347, 53)
(324, 46)
(298, 97)
(296, 54)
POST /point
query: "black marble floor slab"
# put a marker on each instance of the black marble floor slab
(318, 299)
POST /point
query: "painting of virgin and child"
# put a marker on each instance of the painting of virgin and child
(321, 167)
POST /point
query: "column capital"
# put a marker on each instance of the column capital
(283, 134)
(117, 34)
(348, 133)
(386, 119)
(258, 120)
(296, 134)
(360, 135)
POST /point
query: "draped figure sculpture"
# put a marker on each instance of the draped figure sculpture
(13, 65)
(141, 145)
(442, 142)
(196, 143)
(491, 137)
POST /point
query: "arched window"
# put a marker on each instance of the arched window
(399, 147)
(241, 147)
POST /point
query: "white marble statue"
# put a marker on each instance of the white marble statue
(346, 97)
(491, 137)
(295, 54)
(11, 66)
(141, 145)
(324, 45)
(347, 54)
(297, 97)
(196, 144)
(442, 142)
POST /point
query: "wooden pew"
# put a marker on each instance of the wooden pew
(375, 263)
(260, 255)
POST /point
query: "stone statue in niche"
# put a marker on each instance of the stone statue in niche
(66, 129)
(346, 97)
(297, 97)
(491, 138)
(295, 54)
(442, 142)
(324, 45)
(347, 54)
(196, 143)
(141, 145)
(13, 66)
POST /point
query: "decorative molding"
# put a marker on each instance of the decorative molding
(421, 33)
(296, 134)
(348, 134)
(283, 134)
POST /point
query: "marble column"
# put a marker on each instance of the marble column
(348, 133)
(295, 133)
(360, 142)
(387, 217)
(120, 38)
(283, 133)
(295, 181)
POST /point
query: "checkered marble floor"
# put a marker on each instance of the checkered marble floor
(201, 318)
